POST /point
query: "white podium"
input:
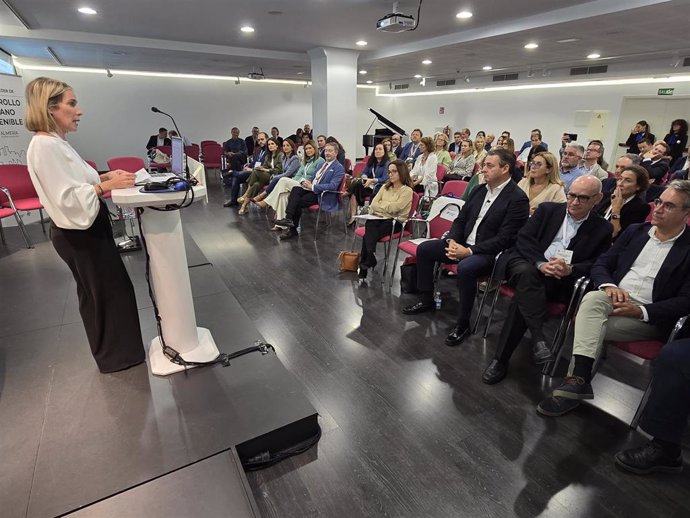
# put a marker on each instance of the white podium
(170, 279)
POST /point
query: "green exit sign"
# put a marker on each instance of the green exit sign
(665, 91)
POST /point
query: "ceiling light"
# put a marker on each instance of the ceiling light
(463, 15)
(593, 55)
(487, 67)
(361, 43)
(568, 40)
(87, 10)
(247, 28)
(426, 62)
(418, 76)
(532, 46)
(362, 72)
(369, 81)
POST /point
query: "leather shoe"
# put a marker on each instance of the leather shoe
(288, 223)
(574, 387)
(541, 353)
(649, 458)
(230, 203)
(419, 307)
(288, 234)
(557, 406)
(457, 336)
(495, 372)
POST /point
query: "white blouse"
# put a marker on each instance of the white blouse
(63, 181)
(426, 169)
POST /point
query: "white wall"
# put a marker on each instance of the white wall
(118, 120)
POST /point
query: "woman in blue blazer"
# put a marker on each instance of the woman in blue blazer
(373, 177)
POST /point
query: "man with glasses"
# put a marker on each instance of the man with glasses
(642, 287)
(395, 144)
(570, 164)
(593, 154)
(559, 244)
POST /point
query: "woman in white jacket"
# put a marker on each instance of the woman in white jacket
(424, 171)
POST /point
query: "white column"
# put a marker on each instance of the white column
(334, 95)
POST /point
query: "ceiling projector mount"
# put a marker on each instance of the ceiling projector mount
(397, 21)
(258, 75)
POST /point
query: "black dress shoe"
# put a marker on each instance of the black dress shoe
(419, 307)
(649, 458)
(541, 353)
(457, 336)
(495, 372)
(285, 223)
(574, 387)
(288, 234)
(557, 406)
(362, 272)
(230, 203)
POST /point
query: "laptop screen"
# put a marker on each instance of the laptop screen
(177, 156)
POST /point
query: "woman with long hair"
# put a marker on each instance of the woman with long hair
(640, 130)
(543, 181)
(442, 154)
(388, 146)
(262, 174)
(626, 204)
(289, 164)
(423, 173)
(479, 151)
(462, 167)
(392, 202)
(374, 174)
(677, 138)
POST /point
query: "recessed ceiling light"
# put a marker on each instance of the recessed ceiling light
(300, 73)
(361, 43)
(247, 28)
(463, 15)
(369, 81)
(593, 55)
(487, 67)
(362, 72)
(426, 62)
(532, 46)
(568, 40)
(418, 76)
(87, 10)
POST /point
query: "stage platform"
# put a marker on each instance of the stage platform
(130, 443)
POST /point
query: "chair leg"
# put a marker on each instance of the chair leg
(492, 308)
(643, 403)
(395, 263)
(23, 230)
(387, 249)
(43, 225)
(318, 217)
(2, 233)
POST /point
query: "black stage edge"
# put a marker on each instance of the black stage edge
(77, 441)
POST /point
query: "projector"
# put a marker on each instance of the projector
(396, 22)
(256, 75)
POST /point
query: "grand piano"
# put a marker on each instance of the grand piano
(370, 140)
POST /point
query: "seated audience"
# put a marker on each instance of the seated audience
(558, 245)
(645, 147)
(235, 150)
(307, 130)
(393, 202)
(640, 131)
(442, 155)
(487, 224)
(328, 178)
(677, 138)
(412, 149)
(373, 175)
(289, 164)
(321, 142)
(542, 181)
(275, 134)
(278, 197)
(457, 143)
(297, 135)
(626, 205)
(341, 150)
(526, 153)
(530, 143)
(261, 174)
(300, 150)
(592, 156)
(479, 151)
(159, 140)
(252, 140)
(570, 164)
(565, 140)
(603, 163)
(388, 146)
(237, 178)
(508, 144)
(462, 166)
(624, 161)
(657, 163)
(465, 133)
(488, 142)
(185, 140)
(665, 416)
(642, 287)
(396, 147)
(424, 171)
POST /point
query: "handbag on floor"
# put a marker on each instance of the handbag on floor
(348, 261)
(408, 276)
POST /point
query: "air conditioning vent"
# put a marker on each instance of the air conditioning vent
(686, 62)
(505, 77)
(446, 82)
(403, 86)
(584, 71)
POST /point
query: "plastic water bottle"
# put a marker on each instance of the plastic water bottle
(437, 300)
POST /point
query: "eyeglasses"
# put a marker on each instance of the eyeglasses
(592, 150)
(666, 205)
(534, 165)
(567, 153)
(582, 198)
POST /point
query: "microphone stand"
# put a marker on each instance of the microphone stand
(186, 164)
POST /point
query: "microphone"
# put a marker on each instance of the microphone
(179, 133)
(154, 109)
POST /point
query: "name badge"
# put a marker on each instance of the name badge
(257, 164)
(566, 255)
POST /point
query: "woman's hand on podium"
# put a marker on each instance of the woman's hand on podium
(119, 180)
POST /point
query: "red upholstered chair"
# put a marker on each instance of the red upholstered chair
(357, 171)
(204, 142)
(192, 151)
(340, 193)
(10, 210)
(455, 187)
(131, 164)
(452, 155)
(212, 154)
(651, 212)
(15, 178)
(387, 240)
(92, 164)
(348, 166)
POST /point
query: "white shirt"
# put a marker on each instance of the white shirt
(426, 169)
(63, 181)
(565, 234)
(491, 196)
(321, 172)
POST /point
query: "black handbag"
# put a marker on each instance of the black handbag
(408, 278)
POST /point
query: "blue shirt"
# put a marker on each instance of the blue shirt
(569, 176)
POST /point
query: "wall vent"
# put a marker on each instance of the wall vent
(686, 62)
(505, 77)
(403, 86)
(584, 71)
(446, 82)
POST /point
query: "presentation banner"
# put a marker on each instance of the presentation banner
(14, 137)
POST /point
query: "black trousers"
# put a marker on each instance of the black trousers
(299, 199)
(666, 414)
(107, 304)
(360, 192)
(375, 229)
(527, 310)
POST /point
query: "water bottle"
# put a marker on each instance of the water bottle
(437, 300)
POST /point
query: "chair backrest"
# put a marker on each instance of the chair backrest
(455, 187)
(452, 155)
(192, 151)
(92, 164)
(415, 203)
(357, 171)
(204, 142)
(131, 164)
(475, 170)
(16, 179)
(212, 154)
(348, 166)
(441, 171)
(165, 149)
(652, 206)
(439, 226)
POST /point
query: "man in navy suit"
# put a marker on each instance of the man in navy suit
(487, 224)
(395, 144)
(328, 178)
(411, 150)
(558, 244)
(643, 287)
(159, 140)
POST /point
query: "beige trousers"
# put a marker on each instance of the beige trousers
(279, 196)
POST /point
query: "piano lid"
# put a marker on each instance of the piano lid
(388, 123)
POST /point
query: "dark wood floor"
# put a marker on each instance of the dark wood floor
(408, 428)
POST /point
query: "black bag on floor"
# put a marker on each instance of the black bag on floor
(408, 277)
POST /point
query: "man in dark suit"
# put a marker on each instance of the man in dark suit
(252, 140)
(558, 244)
(487, 224)
(395, 144)
(657, 161)
(643, 287)
(457, 142)
(159, 140)
(328, 178)
(411, 150)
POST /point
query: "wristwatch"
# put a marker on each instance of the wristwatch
(615, 216)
